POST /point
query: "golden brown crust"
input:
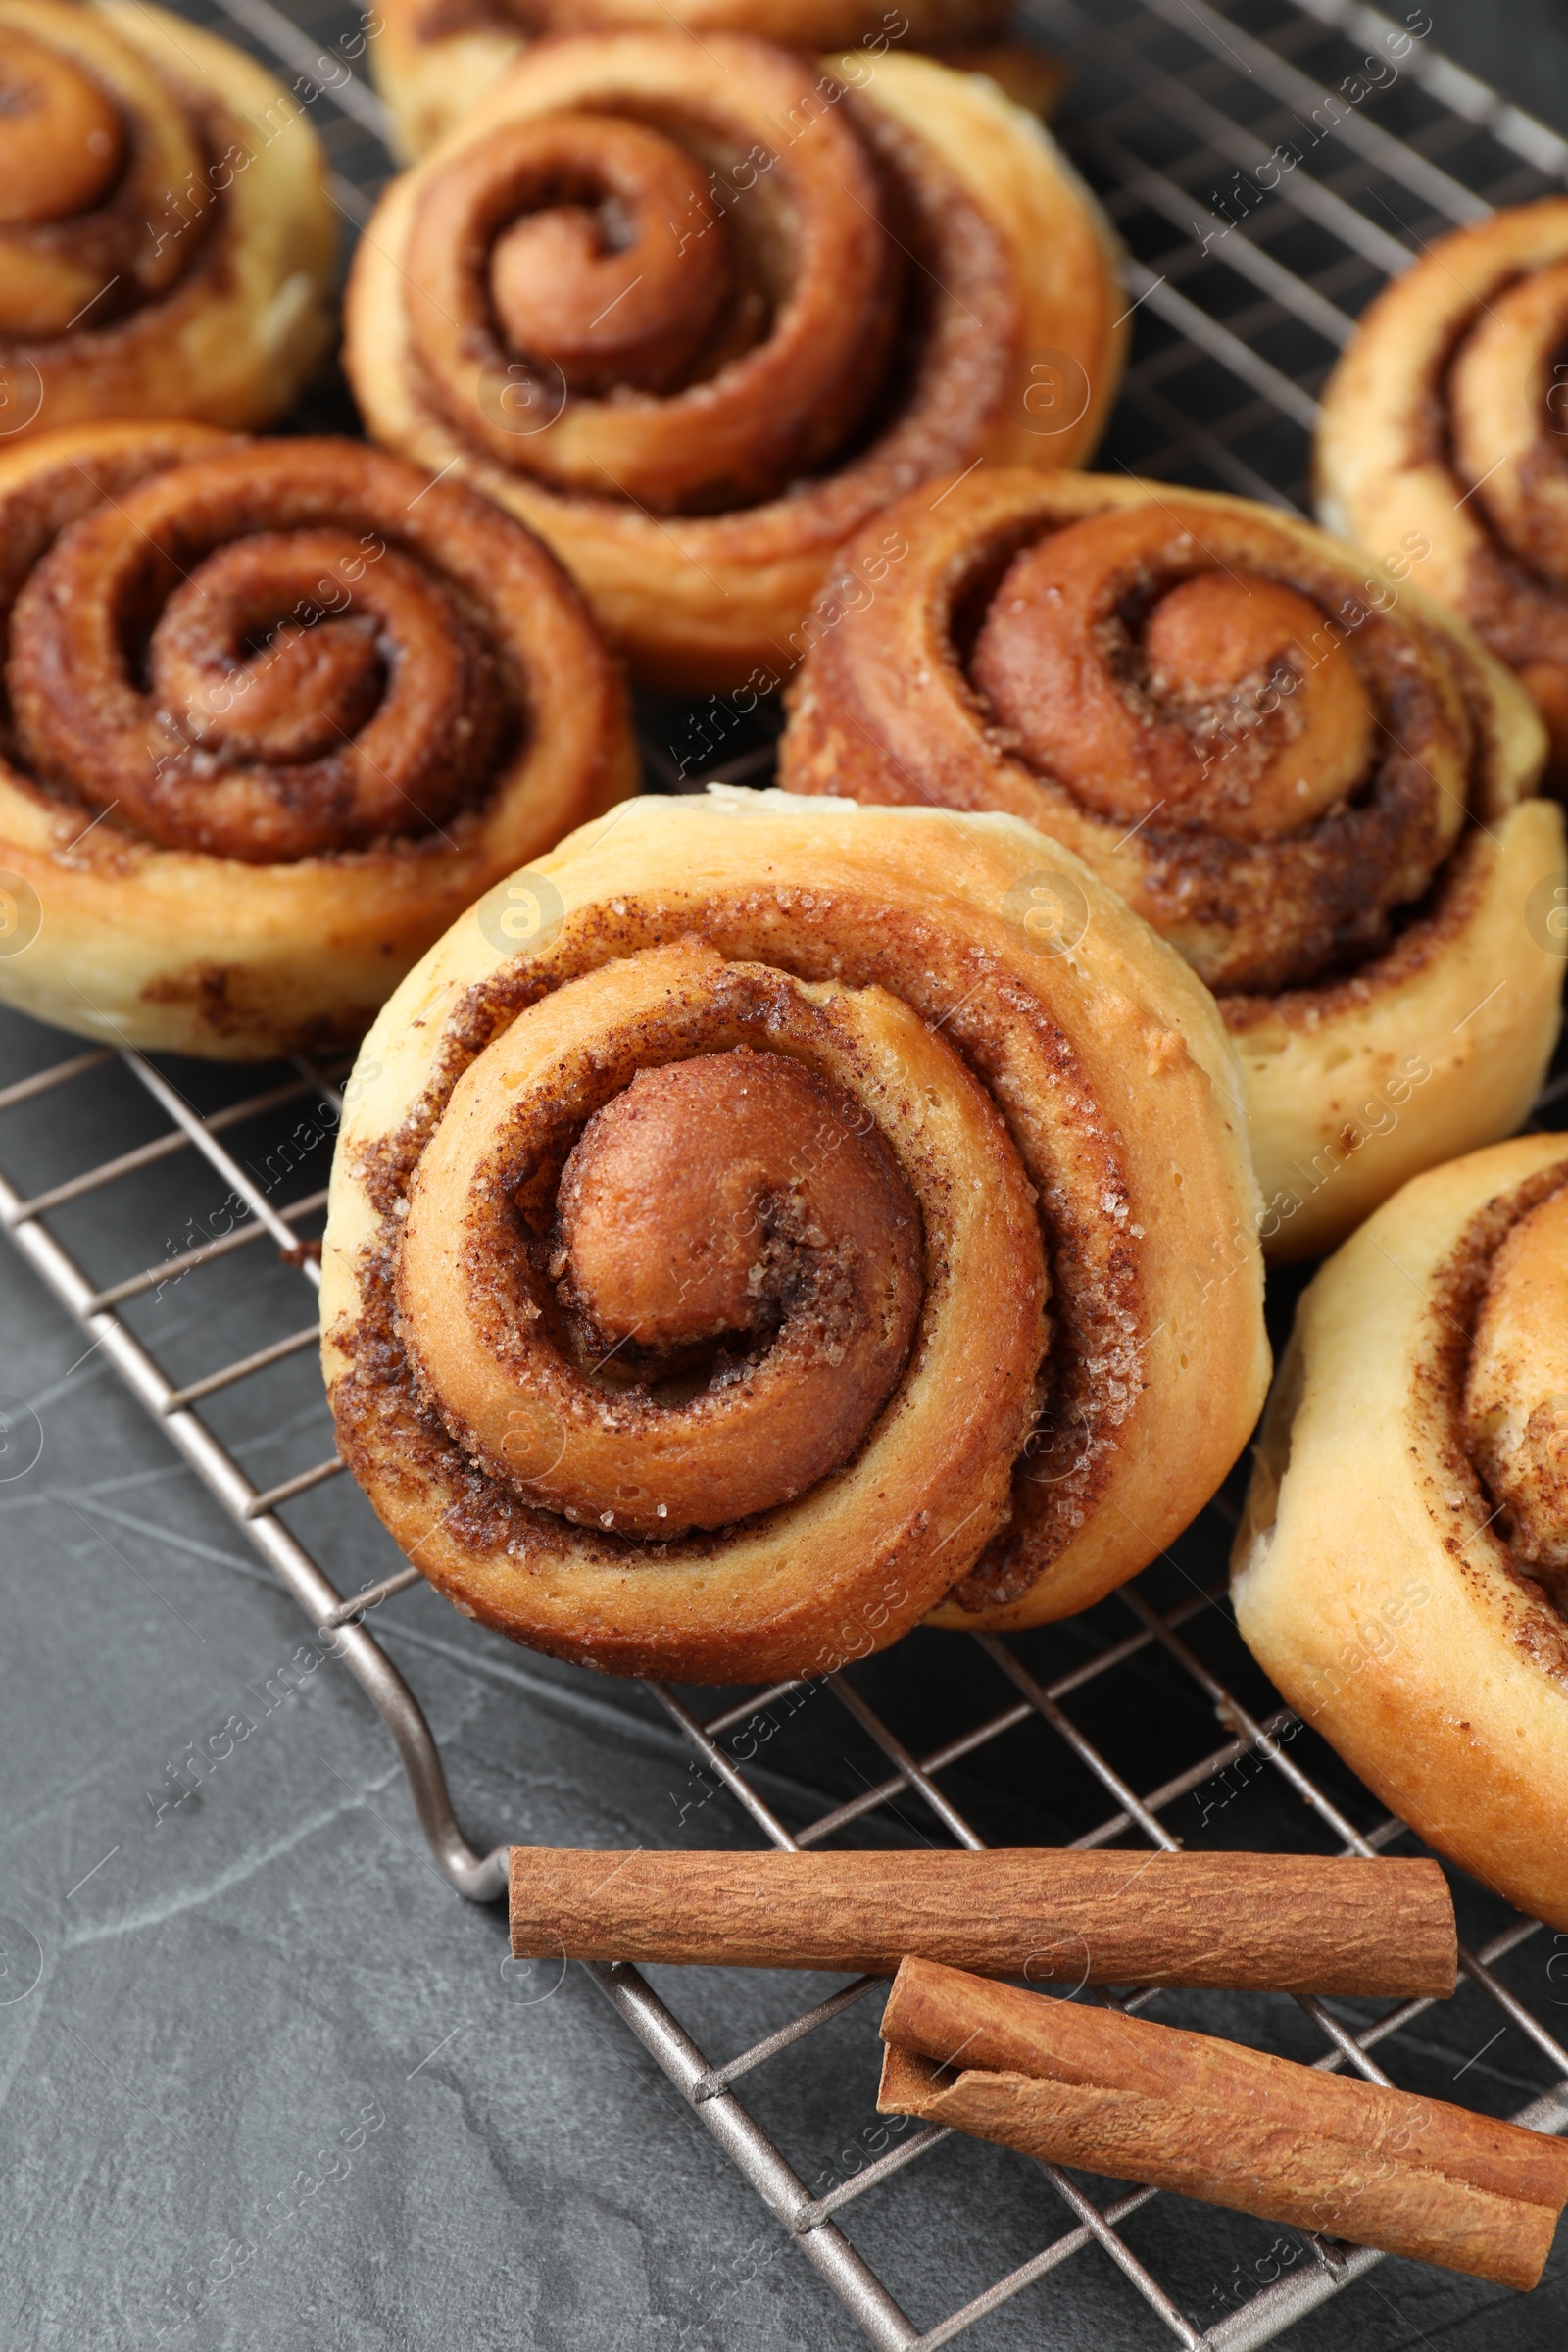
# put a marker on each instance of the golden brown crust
(434, 60)
(1305, 775)
(700, 521)
(1444, 420)
(243, 856)
(884, 951)
(1386, 1588)
(192, 279)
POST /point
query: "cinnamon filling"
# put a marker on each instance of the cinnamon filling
(62, 142)
(238, 657)
(711, 1285)
(1507, 392)
(1497, 421)
(1274, 770)
(105, 195)
(695, 303)
(1515, 1408)
(1235, 707)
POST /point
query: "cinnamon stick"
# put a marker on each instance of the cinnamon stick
(1284, 1923)
(1082, 2085)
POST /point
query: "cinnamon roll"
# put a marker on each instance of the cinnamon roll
(1307, 777)
(1446, 418)
(1401, 1570)
(166, 239)
(697, 311)
(275, 713)
(765, 1240)
(433, 61)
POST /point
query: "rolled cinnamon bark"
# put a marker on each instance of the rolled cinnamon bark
(1081, 2086)
(1282, 1923)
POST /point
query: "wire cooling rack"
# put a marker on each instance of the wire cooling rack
(1268, 167)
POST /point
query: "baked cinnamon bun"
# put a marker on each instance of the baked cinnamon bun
(697, 311)
(434, 61)
(1401, 1570)
(275, 713)
(1446, 418)
(750, 1237)
(1307, 777)
(166, 239)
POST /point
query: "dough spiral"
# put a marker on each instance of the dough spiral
(785, 1247)
(1402, 1571)
(1446, 417)
(433, 66)
(276, 711)
(166, 239)
(698, 310)
(1310, 780)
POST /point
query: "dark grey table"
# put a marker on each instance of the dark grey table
(243, 2011)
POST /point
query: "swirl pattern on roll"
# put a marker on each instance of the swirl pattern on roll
(90, 203)
(724, 1284)
(731, 1220)
(1513, 1277)
(700, 310)
(432, 67)
(158, 254)
(274, 712)
(1426, 1638)
(1447, 417)
(1310, 779)
(1268, 767)
(317, 629)
(753, 349)
(92, 172)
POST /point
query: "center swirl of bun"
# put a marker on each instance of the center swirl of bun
(586, 272)
(638, 329)
(1269, 768)
(270, 652)
(665, 1227)
(699, 1206)
(1226, 699)
(61, 141)
(680, 275)
(105, 195)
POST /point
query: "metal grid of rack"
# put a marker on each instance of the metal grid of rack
(1179, 111)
